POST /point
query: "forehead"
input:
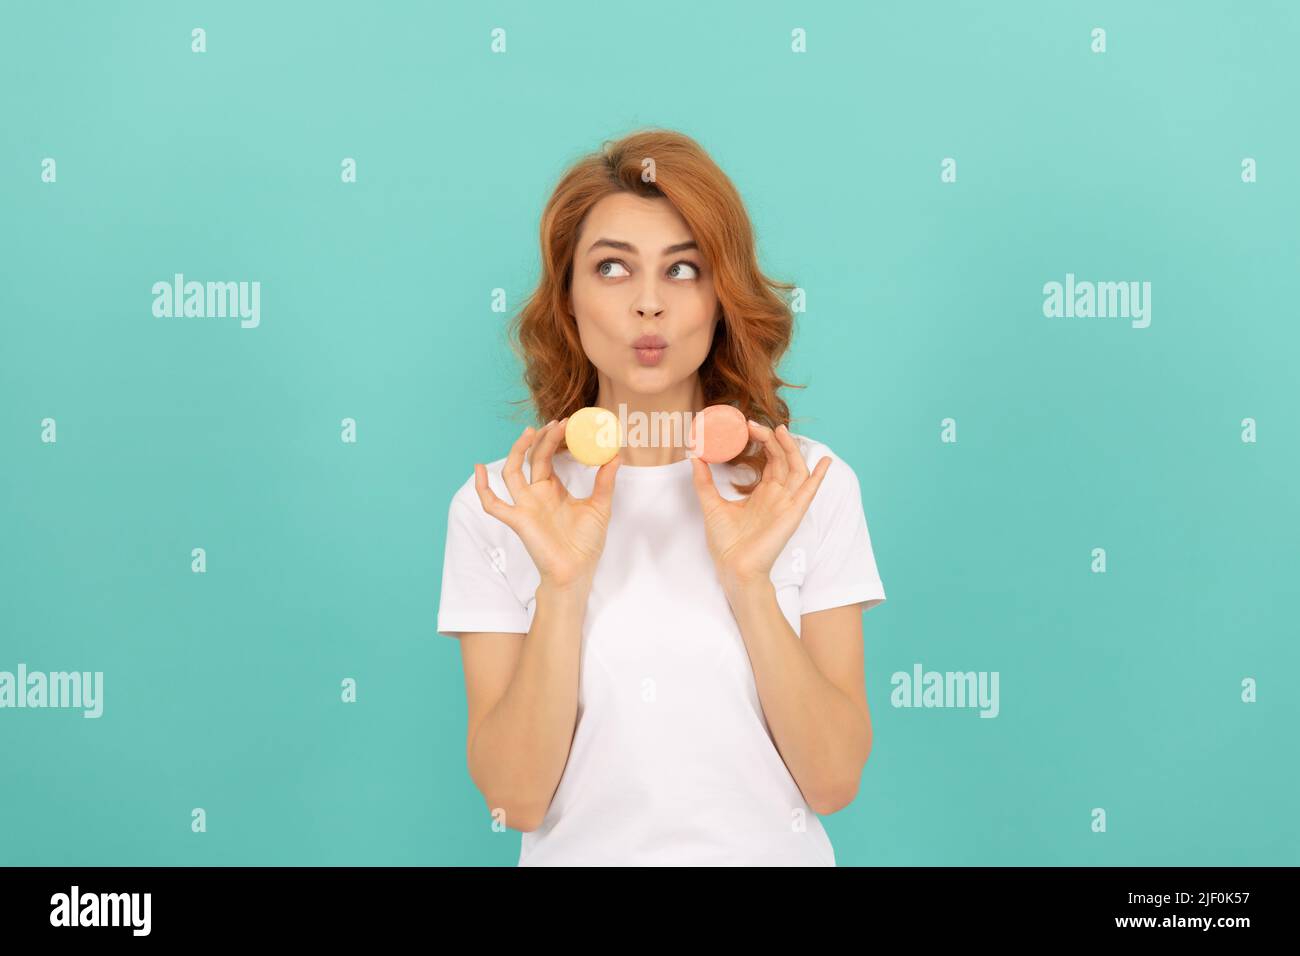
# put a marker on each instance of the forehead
(647, 223)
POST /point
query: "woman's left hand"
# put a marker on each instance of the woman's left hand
(746, 536)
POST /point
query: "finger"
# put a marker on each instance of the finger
(511, 471)
(808, 490)
(602, 490)
(705, 488)
(759, 434)
(547, 461)
(794, 459)
(493, 505)
(539, 456)
(776, 468)
(526, 466)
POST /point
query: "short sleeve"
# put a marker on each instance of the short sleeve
(843, 567)
(476, 594)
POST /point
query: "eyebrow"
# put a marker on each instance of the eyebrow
(628, 247)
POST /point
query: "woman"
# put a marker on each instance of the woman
(663, 658)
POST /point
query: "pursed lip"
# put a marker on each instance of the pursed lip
(650, 342)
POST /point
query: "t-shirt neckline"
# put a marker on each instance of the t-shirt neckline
(641, 472)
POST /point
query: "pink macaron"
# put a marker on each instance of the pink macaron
(719, 433)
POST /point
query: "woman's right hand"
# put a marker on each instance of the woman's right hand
(564, 535)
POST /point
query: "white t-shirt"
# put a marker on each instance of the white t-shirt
(672, 762)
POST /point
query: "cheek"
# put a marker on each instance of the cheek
(600, 337)
(699, 333)
(594, 315)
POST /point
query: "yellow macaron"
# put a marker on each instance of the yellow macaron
(593, 435)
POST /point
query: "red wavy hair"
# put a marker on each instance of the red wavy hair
(757, 322)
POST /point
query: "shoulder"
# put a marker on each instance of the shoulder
(562, 464)
(467, 508)
(839, 475)
(467, 494)
(466, 502)
(839, 487)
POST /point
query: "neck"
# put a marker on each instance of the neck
(652, 441)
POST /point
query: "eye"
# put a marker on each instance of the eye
(600, 267)
(689, 265)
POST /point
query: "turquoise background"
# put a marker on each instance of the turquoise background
(1118, 690)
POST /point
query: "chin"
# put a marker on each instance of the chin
(650, 381)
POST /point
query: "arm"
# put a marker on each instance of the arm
(522, 690)
(812, 691)
(523, 702)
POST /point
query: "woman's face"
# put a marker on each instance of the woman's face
(642, 296)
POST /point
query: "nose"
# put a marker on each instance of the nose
(648, 305)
